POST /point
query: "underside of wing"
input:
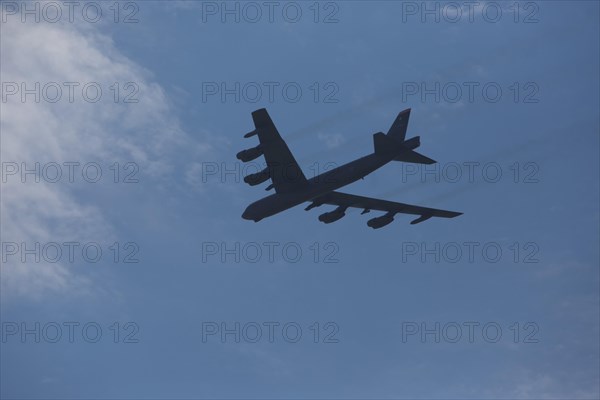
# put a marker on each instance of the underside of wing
(344, 200)
(282, 167)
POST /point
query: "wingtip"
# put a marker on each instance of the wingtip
(261, 118)
(260, 110)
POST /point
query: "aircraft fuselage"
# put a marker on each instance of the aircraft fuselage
(316, 186)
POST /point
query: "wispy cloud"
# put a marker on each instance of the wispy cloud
(73, 128)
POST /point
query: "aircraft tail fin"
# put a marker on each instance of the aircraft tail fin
(398, 128)
(395, 142)
(386, 145)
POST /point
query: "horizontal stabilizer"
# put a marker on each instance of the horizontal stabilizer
(414, 157)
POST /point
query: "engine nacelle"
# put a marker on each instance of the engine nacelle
(380, 222)
(257, 178)
(250, 154)
(420, 219)
(332, 216)
(313, 205)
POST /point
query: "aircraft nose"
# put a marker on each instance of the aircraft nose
(253, 213)
(247, 214)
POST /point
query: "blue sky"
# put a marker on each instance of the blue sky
(183, 215)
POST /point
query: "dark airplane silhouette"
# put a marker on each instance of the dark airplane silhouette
(292, 187)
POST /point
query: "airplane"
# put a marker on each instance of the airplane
(292, 188)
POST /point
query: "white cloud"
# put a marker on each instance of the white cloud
(332, 140)
(145, 132)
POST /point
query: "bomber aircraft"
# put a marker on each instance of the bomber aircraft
(292, 188)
